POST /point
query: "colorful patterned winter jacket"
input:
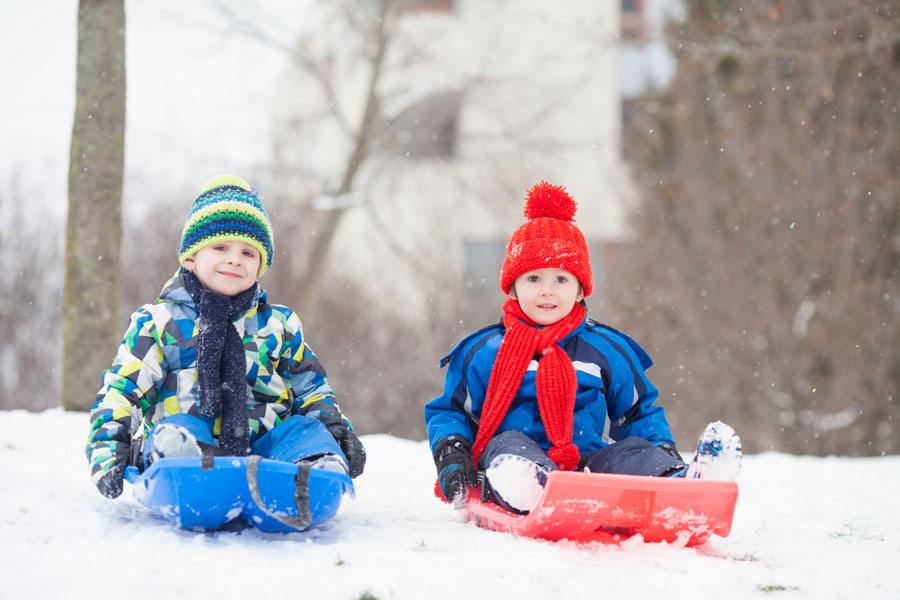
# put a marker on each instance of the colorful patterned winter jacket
(614, 400)
(154, 373)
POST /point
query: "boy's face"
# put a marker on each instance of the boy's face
(226, 268)
(546, 295)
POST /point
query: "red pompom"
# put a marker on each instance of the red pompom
(547, 200)
(565, 457)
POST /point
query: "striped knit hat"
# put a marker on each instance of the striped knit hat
(228, 209)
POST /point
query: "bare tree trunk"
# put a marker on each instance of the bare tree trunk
(93, 233)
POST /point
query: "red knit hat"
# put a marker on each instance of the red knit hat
(548, 239)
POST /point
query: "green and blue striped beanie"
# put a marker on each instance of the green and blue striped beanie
(228, 209)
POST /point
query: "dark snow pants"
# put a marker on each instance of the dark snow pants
(631, 456)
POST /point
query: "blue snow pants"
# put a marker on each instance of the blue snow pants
(631, 456)
(295, 439)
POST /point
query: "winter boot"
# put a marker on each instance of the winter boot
(327, 462)
(718, 454)
(173, 441)
(517, 481)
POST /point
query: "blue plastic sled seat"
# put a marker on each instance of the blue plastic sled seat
(206, 493)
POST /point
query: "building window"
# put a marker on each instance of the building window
(481, 281)
(424, 128)
(633, 20)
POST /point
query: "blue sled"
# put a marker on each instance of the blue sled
(206, 493)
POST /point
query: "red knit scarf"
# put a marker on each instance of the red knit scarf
(556, 381)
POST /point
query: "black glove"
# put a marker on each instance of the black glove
(670, 449)
(453, 459)
(350, 444)
(110, 485)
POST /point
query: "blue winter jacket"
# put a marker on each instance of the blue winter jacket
(614, 400)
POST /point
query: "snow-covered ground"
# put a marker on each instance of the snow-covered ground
(805, 527)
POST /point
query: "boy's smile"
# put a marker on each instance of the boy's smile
(547, 295)
(227, 268)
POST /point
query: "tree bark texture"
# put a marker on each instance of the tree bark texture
(91, 297)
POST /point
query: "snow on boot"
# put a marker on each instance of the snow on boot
(518, 481)
(718, 454)
(328, 462)
(173, 441)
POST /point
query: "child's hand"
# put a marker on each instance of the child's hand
(349, 442)
(355, 453)
(456, 472)
(110, 485)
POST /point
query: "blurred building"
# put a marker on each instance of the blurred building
(475, 102)
(645, 61)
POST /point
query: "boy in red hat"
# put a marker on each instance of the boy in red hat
(549, 388)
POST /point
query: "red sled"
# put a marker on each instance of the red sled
(599, 507)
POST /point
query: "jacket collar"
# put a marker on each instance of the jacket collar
(175, 292)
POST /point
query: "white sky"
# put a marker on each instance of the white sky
(198, 99)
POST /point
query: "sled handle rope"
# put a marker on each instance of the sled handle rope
(301, 494)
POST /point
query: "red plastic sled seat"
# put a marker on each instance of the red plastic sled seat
(587, 507)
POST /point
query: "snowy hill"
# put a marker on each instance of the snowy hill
(804, 528)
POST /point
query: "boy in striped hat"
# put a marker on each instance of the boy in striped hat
(211, 367)
(548, 388)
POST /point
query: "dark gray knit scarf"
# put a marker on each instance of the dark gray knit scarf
(221, 363)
